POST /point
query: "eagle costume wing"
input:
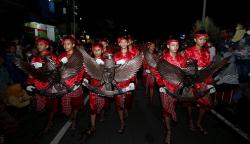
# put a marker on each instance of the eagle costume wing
(73, 66)
(151, 60)
(182, 78)
(91, 67)
(31, 70)
(211, 69)
(170, 72)
(128, 70)
(179, 77)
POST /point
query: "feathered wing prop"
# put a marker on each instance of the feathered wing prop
(171, 72)
(95, 71)
(57, 87)
(166, 70)
(47, 73)
(68, 70)
(185, 81)
(73, 66)
(91, 67)
(211, 69)
(177, 76)
(129, 69)
(150, 59)
(121, 73)
(30, 70)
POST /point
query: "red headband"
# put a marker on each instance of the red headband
(94, 46)
(200, 35)
(169, 41)
(38, 40)
(71, 38)
(122, 38)
(103, 41)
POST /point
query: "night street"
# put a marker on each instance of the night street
(143, 126)
(57, 57)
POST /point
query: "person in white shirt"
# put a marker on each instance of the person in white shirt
(227, 81)
(212, 51)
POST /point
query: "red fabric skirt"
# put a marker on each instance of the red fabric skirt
(129, 97)
(148, 80)
(119, 102)
(43, 102)
(72, 100)
(205, 101)
(168, 106)
(96, 103)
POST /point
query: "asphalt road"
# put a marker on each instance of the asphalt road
(143, 126)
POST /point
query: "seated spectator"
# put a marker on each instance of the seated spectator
(17, 97)
(8, 125)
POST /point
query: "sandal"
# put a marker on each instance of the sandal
(202, 130)
(73, 125)
(168, 138)
(191, 125)
(48, 127)
(121, 130)
(90, 132)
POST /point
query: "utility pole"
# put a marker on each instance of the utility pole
(67, 13)
(204, 10)
(74, 18)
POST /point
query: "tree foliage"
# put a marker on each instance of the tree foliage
(210, 27)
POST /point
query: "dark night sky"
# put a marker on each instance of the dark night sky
(146, 19)
(158, 19)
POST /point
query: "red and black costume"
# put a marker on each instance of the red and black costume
(148, 74)
(42, 101)
(73, 99)
(169, 102)
(96, 102)
(203, 60)
(123, 100)
(134, 52)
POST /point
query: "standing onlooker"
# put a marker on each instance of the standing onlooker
(212, 51)
(16, 75)
(4, 77)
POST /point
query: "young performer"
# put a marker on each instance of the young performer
(106, 48)
(134, 51)
(169, 102)
(72, 102)
(123, 101)
(200, 53)
(96, 102)
(43, 102)
(148, 75)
